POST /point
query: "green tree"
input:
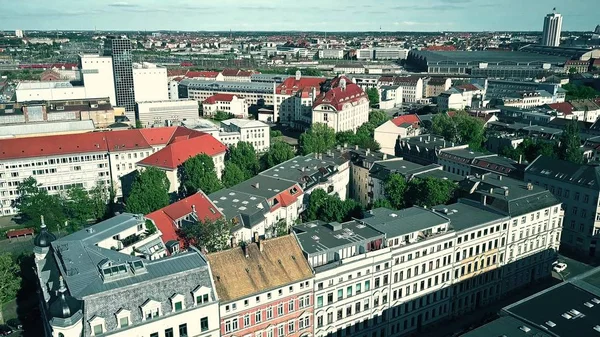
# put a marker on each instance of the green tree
(345, 138)
(212, 235)
(34, 201)
(530, 149)
(569, 147)
(79, 208)
(572, 70)
(280, 228)
(150, 227)
(373, 95)
(385, 203)
(232, 175)
(377, 117)
(575, 92)
(315, 203)
(149, 191)
(198, 173)
(429, 191)
(278, 153)
(138, 124)
(244, 156)
(100, 200)
(364, 137)
(10, 280)
(461, 128)
(222, 115)
(322, 206)
(395, 189)
(318, 139)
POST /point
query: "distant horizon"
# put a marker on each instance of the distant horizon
(308, 16)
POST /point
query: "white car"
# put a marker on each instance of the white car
(559, 267)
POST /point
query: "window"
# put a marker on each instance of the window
(280, 331)
(269, 312)
(319, 301)
(291, 306)
(154, 334)
(258, 317)
(169, 332)
(358, 286)
(123, 322)
(340, 294)
(349, 291)
(291, 326)
(280, 309)
(178, 306)
(246, 321)
(183, 330)
(367, 285)
(98, 329)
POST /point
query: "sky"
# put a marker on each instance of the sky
(304, 15)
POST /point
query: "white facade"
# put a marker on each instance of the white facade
(412, 91)
(234, 105)
(390, 97)
(123, 162)
(390, 54)
(19, 33)
(387, 133)
(254, 132)
(166, 113)
(331, 54)
(98, 77)
(528, 100)
(552, 29)
(348, 119)
(173, 90)
(150, 82)
(364, 54)
(349, 69)
(49, 91)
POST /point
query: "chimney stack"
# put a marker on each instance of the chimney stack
(194, 209)
(261, 245)
(384, 156)
(255, 236)
(257, 185)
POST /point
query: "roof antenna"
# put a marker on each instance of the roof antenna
(43, 223)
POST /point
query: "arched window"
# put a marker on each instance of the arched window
(60, 334)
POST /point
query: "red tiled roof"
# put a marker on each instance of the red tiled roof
(290, 86)
(406, 119)
(166, 217)
(219, 98)
(440, 48)
(19, 232)
(467, 87)
(180, 150)
(111, 141)
(126, 140)
(565, 107)
(14, 148)
(176, 72)
(287, 198)
(230, 72)
(337, 97)
(205, 74)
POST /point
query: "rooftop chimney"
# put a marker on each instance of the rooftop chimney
(261, 245)
(343, 84)
(194, 209)
(298, 75)
(257, 185)
(255, 236)
(384, 156)
(356, 147)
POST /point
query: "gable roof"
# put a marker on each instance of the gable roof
(219, 98)
(406, 119)
(165, 218)
(337, 96)
(564, 107)
(182, 148)
(237, 276)
(204, 74)
(290, 86)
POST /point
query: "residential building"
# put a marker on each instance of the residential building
(578, 187)
(412, 88)
(98, 77)
(390, 96)
(120, 49)
(187, 144)
(366, 81)
(344, 107)
(167, 112)
(169, 220)
(400, 127)
(173, 89)
(581, 110)
(461, 97)
(506, 88)
(206, 75)
(434, 86)
(389, 54)
(552, 29)
(254, 132)
(361, 161)
(528, 99)
(294, 99)
(228, 103)
(351, 68)
(423, 149)
(150, 82)
(90, 285)
(273, 297)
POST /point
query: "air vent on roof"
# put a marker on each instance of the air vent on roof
(551, 324)
(588, 304)
(595, 300)
(360, 226)
(597, 328)
(524, 328)
(311, 225)
(394, 215)
(316, 238)
(567, 316)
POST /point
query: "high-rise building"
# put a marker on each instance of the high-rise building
(19, 33)
(552, 27)
(120, 50)
(98, 77)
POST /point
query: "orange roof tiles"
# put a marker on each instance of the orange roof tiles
(177, 152)
(338, 96)
(406, 119)
(219, 98)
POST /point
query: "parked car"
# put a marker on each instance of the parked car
(559, 267)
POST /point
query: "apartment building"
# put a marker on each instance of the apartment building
(395, 272)
(254, 132)
(578, 188)
(255, 93)
(166, 113)
(460, 97)
(331, 54)
(528, 99)
(294, 100)
(236, 75)
(344, 107)
(434, 86)
(250, 303)
(226, 103)
(89, 286)
(412, 88)
(400, 127)
(189, 143)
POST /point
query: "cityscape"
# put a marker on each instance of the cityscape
(260, 169)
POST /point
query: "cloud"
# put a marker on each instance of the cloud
(123, 5)
(258, 8)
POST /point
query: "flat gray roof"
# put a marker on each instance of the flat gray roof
(505, 326)
(466, 214)
(484, 56)
(318, 236)
(402, 222)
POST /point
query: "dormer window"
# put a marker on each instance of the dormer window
(97, 325)
(123, 318)
(201, 295)
(150, 309)
(177, 302)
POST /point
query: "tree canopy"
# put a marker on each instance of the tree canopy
(318, 139)
(530, 149)
(373, 95)
(232, 175)
(34, 201)
(364, 136)
(575, 91)
(277, 154)
(149, 191)
(244, 156)
(328, 208)
(417, 192)
(198, 173)
(10, 280)
(569, 147)
(461, 128)
(395, 190)
(222, 115)
(212, 235)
